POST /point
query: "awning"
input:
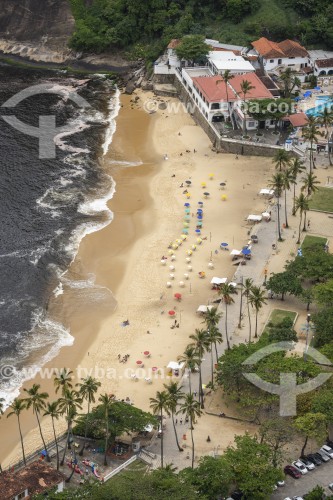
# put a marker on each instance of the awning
(235, 252)
(173, 365)
(267, 192)
(218, 281)
(254, 218)
(203, 309)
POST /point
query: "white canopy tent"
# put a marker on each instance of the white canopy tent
(218, 281)
(235, 252)
(175, 368)
(203, 309)
(254, 218)
(266, 192)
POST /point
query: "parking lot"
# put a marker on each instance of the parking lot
(322, 475)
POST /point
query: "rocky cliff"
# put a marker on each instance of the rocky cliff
(36, 29)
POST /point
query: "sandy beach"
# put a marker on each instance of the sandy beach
(123, 261)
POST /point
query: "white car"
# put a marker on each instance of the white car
(309, 465)
(328, 450)
(300, 467)
(330, 486)
(325, 456)
(297, 498)
(280, 483)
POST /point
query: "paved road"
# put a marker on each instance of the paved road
(322, 475)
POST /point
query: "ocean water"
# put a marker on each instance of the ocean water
(46, 207)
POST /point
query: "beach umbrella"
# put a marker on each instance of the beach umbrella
(211, 265)
(189, 268)
(200, 203)
(146, 353)
(163, 262)
(199, 241)
(223, 197)
(246, 251)
(187, 210)
(317, 88)
(199, 223)
(171, 276)
(198, 231)
(186, 276)
(224, 245)
(183, 237)
(171, 252)
(172, 312)
(188, 259)
(189, 252)
(187, 218)
(181, 283)
(168, 284)
(173, 257)
(188, 195)
(199, 217)
(211, 176)
(172, 268)
(178, 241)
(185, 231)
(206, 195)
(203, 184)
(178, 296)
(188, 182)
(139, 362)
(199, 211)
(154, 369)
(194, 247)
(186, 224)
(175, 246)
(187, 204)
(222, 184)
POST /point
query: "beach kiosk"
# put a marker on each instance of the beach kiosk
(175, 369)
(253, 219)
(267, 193)
(203, 309)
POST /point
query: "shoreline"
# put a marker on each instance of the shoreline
(147, 207)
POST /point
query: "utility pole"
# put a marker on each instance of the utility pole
(308, 318)
(241, 303)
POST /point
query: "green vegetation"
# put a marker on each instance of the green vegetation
(311, 241)
(278, 315)
(322, 200)
(147, 27)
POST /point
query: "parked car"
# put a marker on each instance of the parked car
(280, 483)
(329, 443)
(300, 467)
(292, 471)
(309, 465)
(314, 459)
(324, 456)
(330, 486)
(297, 498)
(328, 450)
(316, 454)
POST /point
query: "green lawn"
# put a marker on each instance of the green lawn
(277, 315)
(311, 241)
(322, 200)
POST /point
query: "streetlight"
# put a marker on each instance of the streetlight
(308, 319)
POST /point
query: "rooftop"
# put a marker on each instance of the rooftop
(36, 477)
(223, 60)
(324, 63)
(174, 43)
(258, 92)
(213, 88)
(320, 54)
(274, 50)
(297, 120)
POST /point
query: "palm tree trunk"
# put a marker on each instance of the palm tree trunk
(212, 364)
(311, 159)
(74, 464)
(189, 380)
(285, 207)
(85, 431)
(248, 312)
(217, 356)
(256, 327)
(106, 438)
(304, 225)
(278, 214)
(41, 435)
(162, 439)
(192, 442)
(329, 151)
(21, 437)
(56, 443)
(201, 399)
(65, 447)
(299, 229)
(174, 428)
(294, 197)
(244, 122)
(226, 325)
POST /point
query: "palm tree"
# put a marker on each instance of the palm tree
(277, 183)
(226, 77)
(326, 119)
(310, 183)
(301, 205)
(69, 403)
(311, 134)
(52, 410)
(36, 400)
(191, 409)
(281, 160)
(201, 343)
(175, 396)
(226, 291)
(212, 318)
(247, 289)
(215, 337)
(296, 167)
(107, 401)
(257, 300)
(290, 81)
(246, 88)
(17, 406)
(63, 381)
(191, 360)
(159, 405)
(287, 181)
(88, 388)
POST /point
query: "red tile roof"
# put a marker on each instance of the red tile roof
(267, 48)
(213, 88)
(273, 50)
(297, 120)
(324, 63)
(174, 43)
(258, 92)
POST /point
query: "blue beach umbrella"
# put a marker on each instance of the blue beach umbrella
(198, 231)
(199, 217)
(200, 203)
(317, 88)
(246, 251)
(199, 223)
(186, 205)
(199, 210)
(224, 244)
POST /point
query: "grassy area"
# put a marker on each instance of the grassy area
(322, 200)
(277, 315)
(311, 241)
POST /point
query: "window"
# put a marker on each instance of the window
(279, 61)
(251, 124)
(271, 60)
(21, 495)
(215, 105)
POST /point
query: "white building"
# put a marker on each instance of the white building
(322, 62)
(283, 54)
(220, 61)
